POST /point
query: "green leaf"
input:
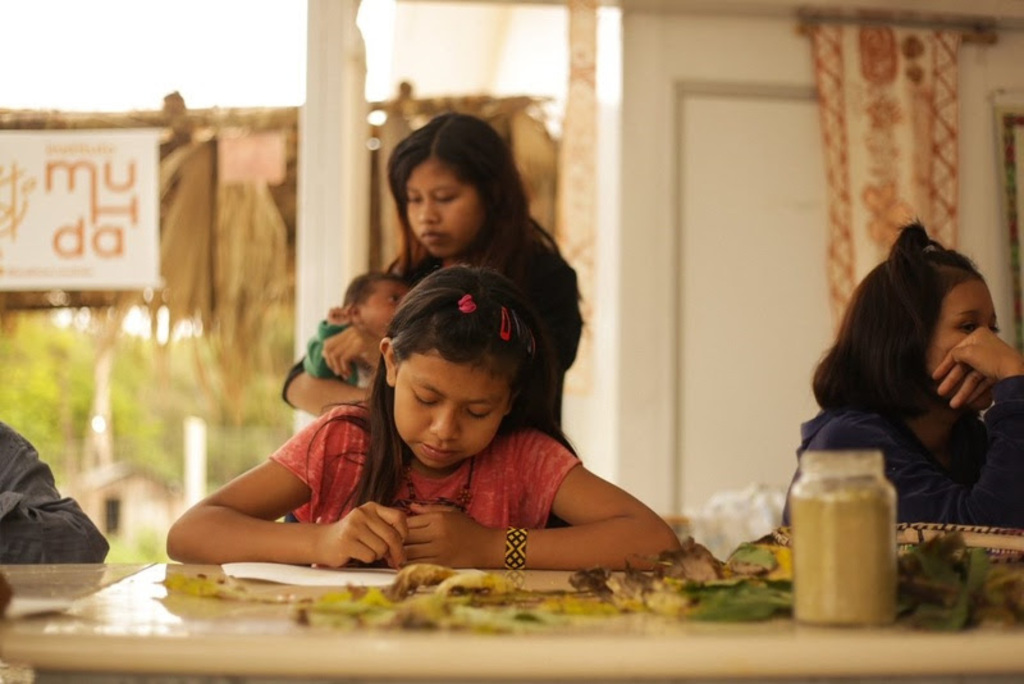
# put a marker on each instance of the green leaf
(742, 602)
(942, 583)
(751, 554)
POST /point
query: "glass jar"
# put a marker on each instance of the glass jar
(843, 516)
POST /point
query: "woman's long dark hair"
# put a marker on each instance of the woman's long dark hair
(429, 320)
(878, 361)
(477, 155)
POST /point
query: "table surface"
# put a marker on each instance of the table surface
(124, 621)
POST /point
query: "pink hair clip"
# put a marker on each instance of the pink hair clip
(506, 325)
(466, 304)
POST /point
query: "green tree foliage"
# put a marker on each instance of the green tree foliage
(47, 361)
(47, 385)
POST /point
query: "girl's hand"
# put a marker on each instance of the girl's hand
(964, 385)
(369, 533)
(975, 364)
(346, 348)
(446, 536)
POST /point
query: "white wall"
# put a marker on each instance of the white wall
(485, 48)
(434, 49)
(704, 403)
(987, 73)
(720, 165)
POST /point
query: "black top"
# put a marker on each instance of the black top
(551, 288)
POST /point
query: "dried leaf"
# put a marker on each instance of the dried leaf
(691, 562)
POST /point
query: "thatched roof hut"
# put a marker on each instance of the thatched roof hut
(192, 204)
(227, 248)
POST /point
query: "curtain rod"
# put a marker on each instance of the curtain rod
(981, 30)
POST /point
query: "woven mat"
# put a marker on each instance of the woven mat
(1001, 543)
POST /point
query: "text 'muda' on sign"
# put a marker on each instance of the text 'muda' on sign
(79, 210)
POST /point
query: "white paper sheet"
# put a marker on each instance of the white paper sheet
(312, 577)
(25, 606)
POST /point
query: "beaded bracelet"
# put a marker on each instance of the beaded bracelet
(515, 548)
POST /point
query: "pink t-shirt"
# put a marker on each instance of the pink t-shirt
(511, 483)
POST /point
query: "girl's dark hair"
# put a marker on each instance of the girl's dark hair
(429, 319)
(878, 361)
(477, 155)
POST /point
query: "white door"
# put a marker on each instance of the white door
(753, 305)
(723, 171)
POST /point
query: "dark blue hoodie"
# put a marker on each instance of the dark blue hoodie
(985, 482)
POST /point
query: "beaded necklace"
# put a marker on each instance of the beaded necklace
(461, 500)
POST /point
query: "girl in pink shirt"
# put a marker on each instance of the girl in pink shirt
(458, 458)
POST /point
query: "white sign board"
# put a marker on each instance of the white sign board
(79, 210)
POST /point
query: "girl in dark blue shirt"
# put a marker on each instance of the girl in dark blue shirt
(916, 361)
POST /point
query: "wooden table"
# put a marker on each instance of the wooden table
(131, 630)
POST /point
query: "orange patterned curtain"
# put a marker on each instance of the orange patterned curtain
(578, 176)
(888, 110)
